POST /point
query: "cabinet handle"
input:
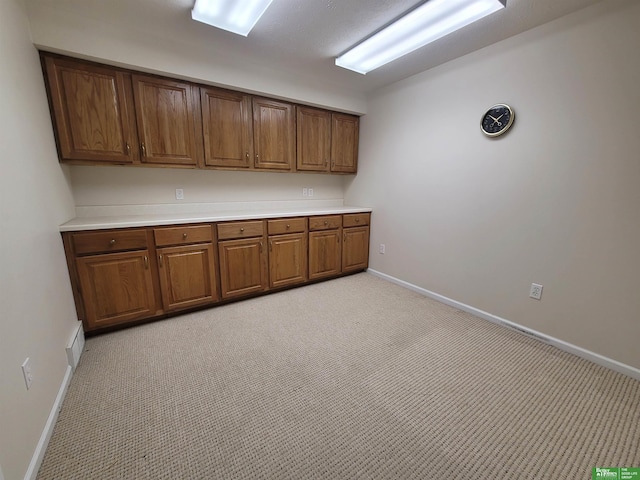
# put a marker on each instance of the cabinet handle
(260, 247)
(160, 259)
(184, 236)
(256, 162)
(345, 238)
(270, 246)
(144, 150)
(128, 149)
(146, 262)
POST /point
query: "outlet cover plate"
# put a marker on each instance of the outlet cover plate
(535, 291)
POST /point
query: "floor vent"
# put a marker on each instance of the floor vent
(75, 346)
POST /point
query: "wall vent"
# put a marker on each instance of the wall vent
(75, 346)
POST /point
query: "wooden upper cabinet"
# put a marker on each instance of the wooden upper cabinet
(344, 143)
(103, 114)
(274, 134)
(227, 128)
(313, 139)
(93, 112)
(168, 116)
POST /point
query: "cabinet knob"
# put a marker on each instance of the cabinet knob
(288, 226)
(112, 241)
(184, 236)
(326, 223)
(241, 229)
(357, 220)
(144, 150)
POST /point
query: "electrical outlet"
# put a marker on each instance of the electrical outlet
(305, 192)
(536, 291)
(179, 194)
(26, 372)
(311, 192)
(382, 248)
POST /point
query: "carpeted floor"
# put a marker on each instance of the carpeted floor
(347, 379)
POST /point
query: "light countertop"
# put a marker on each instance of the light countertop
(124, 219)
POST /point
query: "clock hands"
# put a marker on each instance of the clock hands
(496, 120)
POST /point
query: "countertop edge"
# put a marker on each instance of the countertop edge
(129, 221)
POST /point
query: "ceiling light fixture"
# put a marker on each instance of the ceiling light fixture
(428, 22)
(237, 16)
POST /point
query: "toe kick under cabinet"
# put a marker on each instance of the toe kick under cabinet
(127, 275)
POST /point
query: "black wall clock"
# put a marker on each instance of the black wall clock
(497, 120)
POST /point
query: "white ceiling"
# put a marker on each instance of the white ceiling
(306, 35)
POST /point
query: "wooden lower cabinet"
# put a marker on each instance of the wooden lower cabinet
(116, 288)
(324, 254)
(355, 249)
(287, 259)
(121, 276)
(187, 276)
(243, 267)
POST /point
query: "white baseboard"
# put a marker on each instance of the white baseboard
(38, 455)
(561, 344)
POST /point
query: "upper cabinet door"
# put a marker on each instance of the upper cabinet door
(227, 128)
(168, 121)
(344, 143)
(313, 139)
(93, 112)
(274, 134)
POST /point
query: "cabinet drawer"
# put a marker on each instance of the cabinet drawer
(113, 241)
(287, 225)
(355, 220)
(328, 222)
(182, 235)
(240, 230)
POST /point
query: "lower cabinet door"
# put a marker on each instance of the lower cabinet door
(243, 267)
(116, 288)
(355, 249)
(187, 276)
(287, 259)
(324, 254)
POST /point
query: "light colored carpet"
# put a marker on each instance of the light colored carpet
(350, 378)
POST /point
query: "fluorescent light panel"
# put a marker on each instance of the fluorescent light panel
(425, 24)
(237, 16)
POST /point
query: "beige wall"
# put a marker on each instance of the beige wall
(555, 201)
(37, 315)
(135, 186)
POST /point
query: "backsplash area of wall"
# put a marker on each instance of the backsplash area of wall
(108, 186)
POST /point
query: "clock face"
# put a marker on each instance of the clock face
(497, 120)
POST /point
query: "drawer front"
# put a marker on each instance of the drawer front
(328, 222)
(112, 241)
(182, 235)
(287, 225)
(355, 220)
(240, 230)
